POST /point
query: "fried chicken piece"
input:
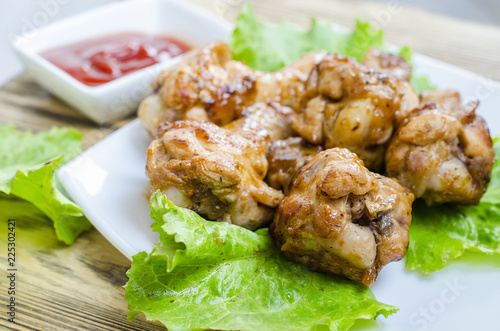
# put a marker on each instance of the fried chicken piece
(286, 158)
(342, 219)
(443, 154)
(355, 107)
(264, 119)
(389, 63)
(205, 85)
(214, 171)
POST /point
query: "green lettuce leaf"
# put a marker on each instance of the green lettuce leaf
(34, 230)
(214, 275)
(421, 83)
(27, 165)
(439, 234)
(362, 38)
(406, 53)
(270, 47)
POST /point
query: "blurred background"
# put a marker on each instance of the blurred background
(483, 11)
(25, 16)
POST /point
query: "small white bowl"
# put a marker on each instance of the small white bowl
(120, 97)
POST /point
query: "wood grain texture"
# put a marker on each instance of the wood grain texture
(60, 287)
(80, 287)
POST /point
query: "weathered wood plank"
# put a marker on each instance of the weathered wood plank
(61, 287)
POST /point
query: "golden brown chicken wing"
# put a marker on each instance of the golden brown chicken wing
(355, 107)
(342, 219)
(443, 153)
(214, 171)
(286, 158)
(205, 85)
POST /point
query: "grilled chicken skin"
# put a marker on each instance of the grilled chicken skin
(214, 171)
(443, 152)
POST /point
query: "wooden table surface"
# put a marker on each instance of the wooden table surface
(79, 287)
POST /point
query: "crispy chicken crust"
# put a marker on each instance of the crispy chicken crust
(342, 219)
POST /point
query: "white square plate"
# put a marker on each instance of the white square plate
(108, 181)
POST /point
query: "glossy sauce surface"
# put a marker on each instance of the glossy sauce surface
(97, 61)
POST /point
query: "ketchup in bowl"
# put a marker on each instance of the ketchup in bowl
(97, 61)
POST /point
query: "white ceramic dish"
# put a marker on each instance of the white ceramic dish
(120, 97)
(108, 181)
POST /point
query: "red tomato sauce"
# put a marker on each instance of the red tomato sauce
(97, 61)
